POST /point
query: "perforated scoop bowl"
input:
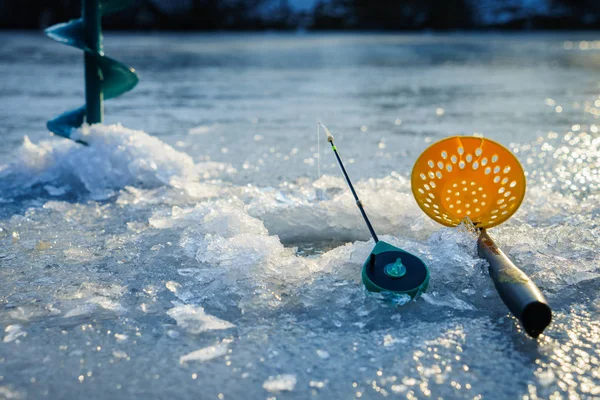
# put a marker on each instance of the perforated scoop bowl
(468, 177)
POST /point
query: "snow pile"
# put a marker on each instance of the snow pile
(115, 158)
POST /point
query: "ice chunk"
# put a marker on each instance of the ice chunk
(119, 354)
(13, 332)
(205, 354)
(108, 304)
(195, 320)
(56, 191)
(82, 309)
(9, 394)
(324, 354)
(280, 383)
(449, 300)
(220, 217)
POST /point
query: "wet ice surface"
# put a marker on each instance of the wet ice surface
(208, 258)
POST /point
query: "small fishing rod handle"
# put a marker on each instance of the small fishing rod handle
(520, 294)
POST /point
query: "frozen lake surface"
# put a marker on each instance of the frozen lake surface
(194, 252)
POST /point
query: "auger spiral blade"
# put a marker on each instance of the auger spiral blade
(105, 77)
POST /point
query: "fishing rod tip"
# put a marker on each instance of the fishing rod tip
(329, 135)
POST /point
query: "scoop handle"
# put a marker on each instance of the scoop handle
(520, 294)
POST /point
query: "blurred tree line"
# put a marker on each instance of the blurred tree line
(326, 14)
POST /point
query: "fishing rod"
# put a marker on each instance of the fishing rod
(388, 268)
(359, 203)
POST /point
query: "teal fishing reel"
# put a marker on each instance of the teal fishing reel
(391, 269)
(388, 268)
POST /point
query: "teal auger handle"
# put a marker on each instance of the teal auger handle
(105, 77)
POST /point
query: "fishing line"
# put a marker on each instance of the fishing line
(318, 150)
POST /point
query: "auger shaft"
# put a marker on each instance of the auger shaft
(93, 79)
